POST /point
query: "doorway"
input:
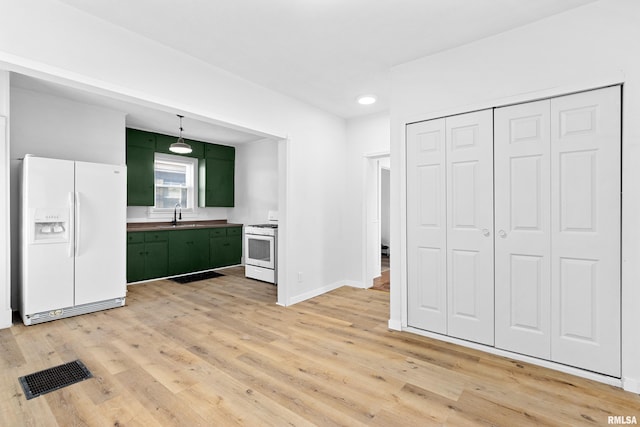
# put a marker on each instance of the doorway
(377, 244)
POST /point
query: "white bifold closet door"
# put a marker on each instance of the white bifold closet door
(427, 226)
(470, 226)
(450, 226)
(523, 228)
(585, 230)
(557, 216)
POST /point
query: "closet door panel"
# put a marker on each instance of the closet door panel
(585, 176)
(469, 165)
(522, 223)
(426, 226)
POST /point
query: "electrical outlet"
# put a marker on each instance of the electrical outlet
(299, 276)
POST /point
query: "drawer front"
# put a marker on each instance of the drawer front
(218, 232)
(234, 231)
(135, 237)
(155, 236)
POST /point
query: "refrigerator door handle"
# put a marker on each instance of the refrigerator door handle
(77, 223)
(70, 229)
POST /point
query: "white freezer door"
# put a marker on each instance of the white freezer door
(101, 217)
(47, 268)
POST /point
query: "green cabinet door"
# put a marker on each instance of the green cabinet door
(225, 247)
(135, 262)
(157, 249)
(147, 255)
(222, 152)
(219, 183)
(188, 251)
(234, 250)
(233, 247)
(216, 251)
(157, 262)
(140, 173)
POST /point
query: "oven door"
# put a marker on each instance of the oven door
(259, 250)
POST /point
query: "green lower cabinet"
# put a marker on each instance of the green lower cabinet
(233, 252)
(135, 262)
(188, 251)
(216, 251)
(152, 255)
(147, 255)
(157, 259)
(225, 247)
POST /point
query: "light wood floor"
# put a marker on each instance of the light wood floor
(220, 352)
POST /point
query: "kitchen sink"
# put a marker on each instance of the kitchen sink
(173, 226)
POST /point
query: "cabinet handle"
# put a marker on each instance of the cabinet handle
(486, 232)
(502, 233)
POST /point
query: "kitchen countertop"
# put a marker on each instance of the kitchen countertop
(182, 225)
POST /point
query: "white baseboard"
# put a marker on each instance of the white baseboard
(395, 325)
(314, 293)
(354, 284)
(6, 319)
(630, 384)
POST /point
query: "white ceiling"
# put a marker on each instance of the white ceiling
(323, 52)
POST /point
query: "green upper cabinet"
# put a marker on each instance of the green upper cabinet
(217, 176)
(163, 142)
(140, 174)
(222, 152)
(216, 169)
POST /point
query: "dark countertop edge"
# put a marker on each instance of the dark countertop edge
(164, 225)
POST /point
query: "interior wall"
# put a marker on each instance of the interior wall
(368, 135)
(5, 246)
(48, 126)
(60, 43)
(583, 48)
(256, 182)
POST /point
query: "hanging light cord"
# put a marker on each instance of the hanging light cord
(180, 125)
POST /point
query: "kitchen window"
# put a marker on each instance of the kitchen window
(175, 181)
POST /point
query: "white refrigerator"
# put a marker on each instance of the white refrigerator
(73, 238)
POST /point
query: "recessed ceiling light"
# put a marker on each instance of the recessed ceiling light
(366, 99)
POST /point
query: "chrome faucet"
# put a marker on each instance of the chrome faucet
(179, 216)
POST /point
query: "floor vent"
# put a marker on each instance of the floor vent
(54, 378)
(197, 276)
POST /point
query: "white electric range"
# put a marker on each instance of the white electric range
(261, 248)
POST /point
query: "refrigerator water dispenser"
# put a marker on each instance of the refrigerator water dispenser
(50, 226)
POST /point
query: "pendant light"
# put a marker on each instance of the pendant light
(180, 146)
